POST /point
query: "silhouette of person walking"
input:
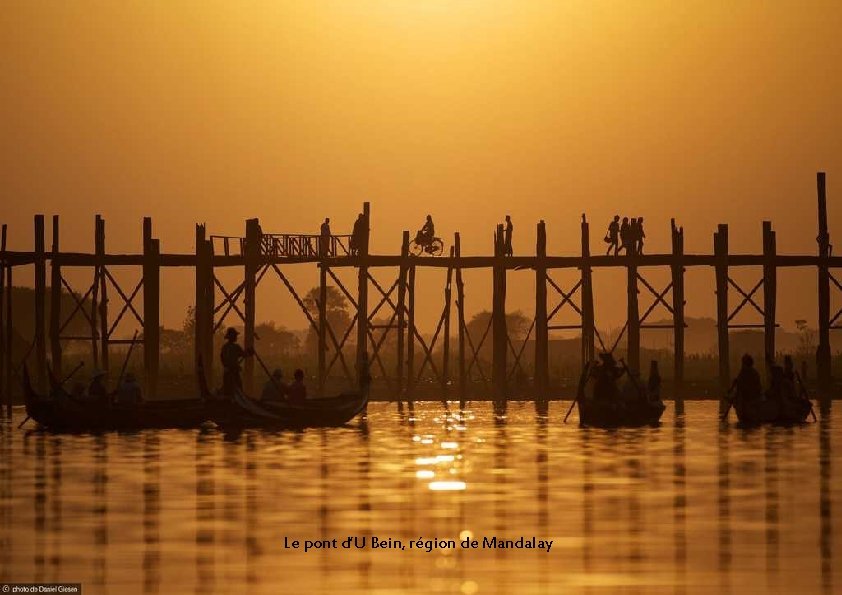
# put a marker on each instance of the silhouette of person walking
(640, 235)
(613, 236)
(324, 238)
(634, 236)
(625, 236)
(357, 234)
(507, 248)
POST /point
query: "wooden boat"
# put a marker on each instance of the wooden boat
(632, 409)
(242, 411)
(59, 411)
(757, 411)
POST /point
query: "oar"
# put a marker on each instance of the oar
(724, 415)
(805, 395)
(637, 387)
(580, 388)
(72, 374)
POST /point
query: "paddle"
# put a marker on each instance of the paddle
(72, 374)
(805, 396)
(637, 387)
(724, 415)
(582, 380)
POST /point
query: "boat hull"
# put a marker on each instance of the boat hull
(767, 411)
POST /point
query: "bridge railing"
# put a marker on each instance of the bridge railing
(285, 244)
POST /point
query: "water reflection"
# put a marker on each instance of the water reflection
(688, 507)
(151, 512)
(825, 504)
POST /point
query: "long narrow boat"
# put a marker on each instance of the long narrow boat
(243, 411)
(59, 411)
(620, 412)
(754, 412)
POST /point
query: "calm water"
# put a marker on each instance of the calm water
(683, 508)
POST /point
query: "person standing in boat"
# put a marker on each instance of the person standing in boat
(297, 392)
(747, 382)
(231, 355)
(275, 389)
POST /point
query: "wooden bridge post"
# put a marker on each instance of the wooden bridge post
(633, 333)
(99, 243)
(204, 302)
(823, 358)
(402, 272)
(499, 369)
(151, 308)
(252, 264)
(460, 316)
(541, 330)
(4, 322)
(6, 339)
(55, 302)
(410, 331)
(95, 305)
(677, 269)
(720, 252)
(770, 284)
(362, 292)
(588, 324)
(40, 305)
(322, 330)
(448, 298)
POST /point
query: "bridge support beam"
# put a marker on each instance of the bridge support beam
(678, 302)
(499, 369)
(541, 330)
(823, 357)
(720, 251)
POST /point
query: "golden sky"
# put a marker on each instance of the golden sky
(291, 111)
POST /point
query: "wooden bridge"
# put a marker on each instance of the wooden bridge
(259, 254)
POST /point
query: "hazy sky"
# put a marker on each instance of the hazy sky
(290, 111)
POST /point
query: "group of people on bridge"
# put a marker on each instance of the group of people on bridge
(626, 235)
(326, 246)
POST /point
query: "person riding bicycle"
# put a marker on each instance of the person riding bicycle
(426, 233)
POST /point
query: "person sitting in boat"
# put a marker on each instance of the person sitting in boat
(606, 375)
(747, 382)
(275, 389)
(780, 390)
(128, 393)
(231, 355)
(97, 392)
(297, 392)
